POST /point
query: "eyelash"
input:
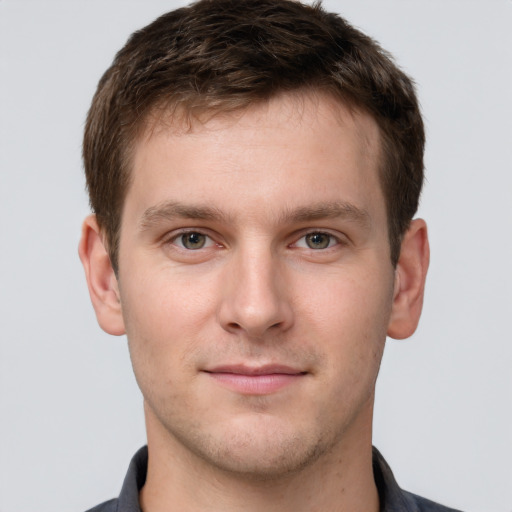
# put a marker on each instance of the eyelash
(333, 240)
(179, 236)
(209, 242)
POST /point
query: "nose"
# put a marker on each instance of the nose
(256, 298)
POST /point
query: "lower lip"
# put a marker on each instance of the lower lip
(256, 384)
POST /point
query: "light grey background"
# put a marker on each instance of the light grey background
(71, 414)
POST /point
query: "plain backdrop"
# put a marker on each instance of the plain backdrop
(71, 413)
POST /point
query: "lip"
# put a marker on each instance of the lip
(255, 380)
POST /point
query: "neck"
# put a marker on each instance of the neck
(341, 480)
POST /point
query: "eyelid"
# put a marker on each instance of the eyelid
(170, 238)
(338, 238)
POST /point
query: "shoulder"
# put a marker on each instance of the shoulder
(424, 505)
(128, 500)
(395, 499)
(107, 506)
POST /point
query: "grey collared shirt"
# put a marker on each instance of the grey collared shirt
(392, 498)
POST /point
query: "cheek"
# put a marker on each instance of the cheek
(165, 318)
(349, 316)
(166, 303)
(347, 301)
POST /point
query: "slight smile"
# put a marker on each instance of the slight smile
(262, 380)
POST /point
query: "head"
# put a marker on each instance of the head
(223, 56)
(254, 167)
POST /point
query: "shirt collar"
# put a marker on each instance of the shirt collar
(133, 482)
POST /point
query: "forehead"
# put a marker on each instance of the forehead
(272, 154)
(309, 107)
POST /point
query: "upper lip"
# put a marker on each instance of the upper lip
(268, 369)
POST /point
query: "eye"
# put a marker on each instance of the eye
(193, 241)
(317, 240)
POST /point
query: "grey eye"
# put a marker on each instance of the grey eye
(193, 240)
(318, 240)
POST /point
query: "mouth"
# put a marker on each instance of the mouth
(257, 380)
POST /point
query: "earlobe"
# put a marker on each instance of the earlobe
(101, 279)
(411, 272)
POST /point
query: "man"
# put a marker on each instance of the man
(254, 168)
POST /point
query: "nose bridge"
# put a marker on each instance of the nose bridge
(255, 298)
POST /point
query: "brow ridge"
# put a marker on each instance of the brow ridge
(170, 210)
(328, 210)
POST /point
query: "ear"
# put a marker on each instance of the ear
(101, 279)
(410, 275)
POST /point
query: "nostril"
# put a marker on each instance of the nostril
(233, 326)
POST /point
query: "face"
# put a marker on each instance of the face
(256, 285)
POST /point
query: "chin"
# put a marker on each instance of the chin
(261, 453)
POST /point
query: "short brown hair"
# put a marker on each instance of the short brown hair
(223, 55)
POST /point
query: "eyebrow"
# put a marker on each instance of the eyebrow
(171, 210)
(329, 210)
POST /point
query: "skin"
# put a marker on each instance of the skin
(295, 271)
